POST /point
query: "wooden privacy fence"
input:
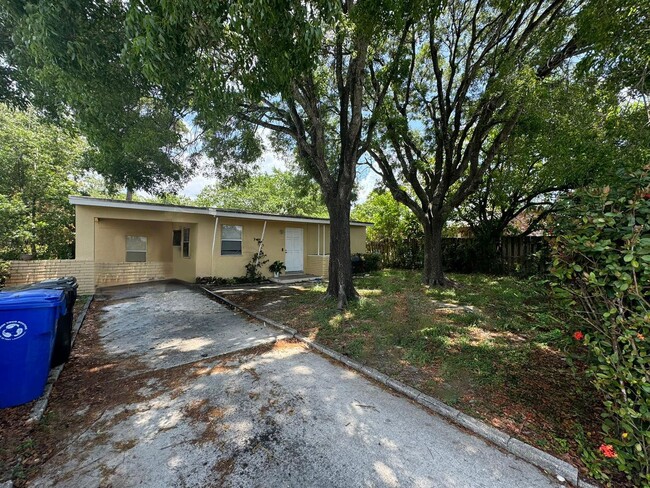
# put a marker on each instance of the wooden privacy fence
(520, 252)
(510, 255)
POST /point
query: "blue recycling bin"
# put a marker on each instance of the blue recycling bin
(28, 321)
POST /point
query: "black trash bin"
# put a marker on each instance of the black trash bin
(63, 338)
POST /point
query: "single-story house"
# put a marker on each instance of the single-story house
(130, 242)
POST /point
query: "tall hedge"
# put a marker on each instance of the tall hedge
(601, 264)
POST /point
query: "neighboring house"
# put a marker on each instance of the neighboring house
(129, 242)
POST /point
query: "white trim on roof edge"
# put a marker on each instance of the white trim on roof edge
(99, 202)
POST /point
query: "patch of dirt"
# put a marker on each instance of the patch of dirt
(224, 467)
(124, 446)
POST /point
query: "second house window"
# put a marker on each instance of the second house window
(186, 242)
(231, 240)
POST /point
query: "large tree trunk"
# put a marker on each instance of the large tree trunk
(129, 194)
(433, 274)
(340, 266)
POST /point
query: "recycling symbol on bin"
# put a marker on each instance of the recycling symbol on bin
(10, 331)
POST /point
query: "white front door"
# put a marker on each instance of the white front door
(293, 249)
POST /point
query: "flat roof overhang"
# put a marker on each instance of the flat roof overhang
(216, 212)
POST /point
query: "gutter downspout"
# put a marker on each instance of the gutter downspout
(318, 241)
(259, 249)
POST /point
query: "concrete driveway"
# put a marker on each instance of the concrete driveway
(273, 415)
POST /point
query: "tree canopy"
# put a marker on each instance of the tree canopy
(313, 73)
(38, 166)
(281, 192)
(559, 143)
(469, 71)
(72, 54)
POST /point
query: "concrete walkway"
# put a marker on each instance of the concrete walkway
(276, 415)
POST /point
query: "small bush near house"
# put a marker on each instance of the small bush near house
(366, 263)
(254, 266)
(218, 281)
(601, 264)
(5, 266)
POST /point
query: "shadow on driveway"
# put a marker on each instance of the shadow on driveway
(276, 414)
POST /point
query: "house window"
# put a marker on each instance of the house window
(136, 249)
(176, 238)
(231, 240)
(186, 242)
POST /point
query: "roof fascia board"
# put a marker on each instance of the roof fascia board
(98, 202)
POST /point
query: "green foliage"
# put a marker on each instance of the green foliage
(461, 89)
(396, 233)
(618, 31)
(38, 164)
(219, 281)
(277, 267)
(559, 143)
(281, 192)
(255, 265)
(72, 53)
(601, 263)
(5, 268)
(314, 73)
(366, 263)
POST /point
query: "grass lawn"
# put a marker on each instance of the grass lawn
(494, 347)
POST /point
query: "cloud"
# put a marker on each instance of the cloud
(193, 187)
(270, 159)
(367, 183)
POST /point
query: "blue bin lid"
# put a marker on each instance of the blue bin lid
(31, 298)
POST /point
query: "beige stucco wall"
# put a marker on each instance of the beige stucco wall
(230, 266)
(317, 265)
(102, 231)
(110, 239)
(358, 239)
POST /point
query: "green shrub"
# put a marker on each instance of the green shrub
(5, 266)
(372, 261)
(601, 264)
(366, 263)
(254, 266)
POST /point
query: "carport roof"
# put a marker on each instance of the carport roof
(217, 212)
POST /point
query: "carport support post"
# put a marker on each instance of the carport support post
(259, 249)
(214, 240)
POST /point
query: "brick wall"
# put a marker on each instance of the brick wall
(89, 274)
(109, 274)
(317, 265)
(25, 272)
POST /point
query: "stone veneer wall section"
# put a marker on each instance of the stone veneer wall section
(89, 274)
(317, 265)
(110, 274)
(25, 272)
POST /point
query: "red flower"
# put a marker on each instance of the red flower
(608, 450)
(646, 196)
(578, 336)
